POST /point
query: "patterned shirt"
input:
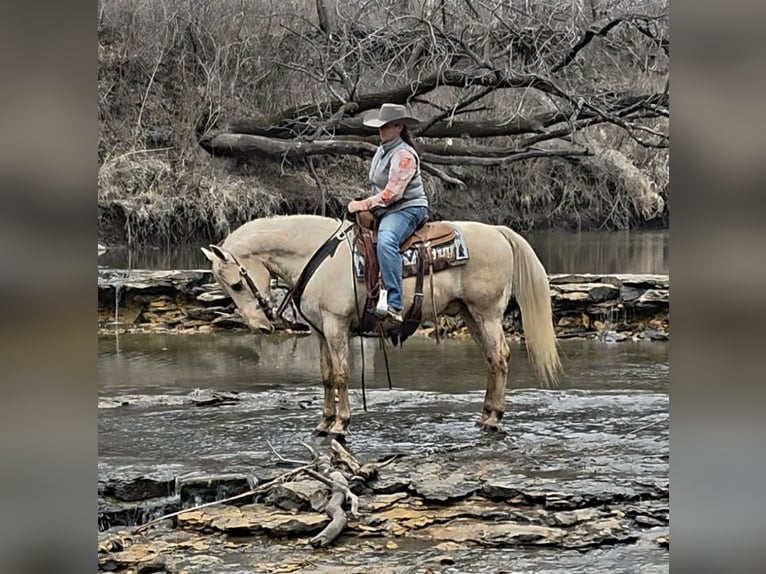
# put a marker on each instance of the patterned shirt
(403, 167)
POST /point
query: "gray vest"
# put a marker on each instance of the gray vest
(414, 194)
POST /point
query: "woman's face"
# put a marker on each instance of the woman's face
(390, 131)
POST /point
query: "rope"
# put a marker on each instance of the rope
(359, 318)
(433, 298)
(385, 355)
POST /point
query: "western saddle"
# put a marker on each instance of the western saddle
(423, 239)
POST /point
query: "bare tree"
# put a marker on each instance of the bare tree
(487, 70)
(513, 95)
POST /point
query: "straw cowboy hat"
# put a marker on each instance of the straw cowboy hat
(389, 113)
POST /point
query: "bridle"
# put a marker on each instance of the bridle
(264, 302)
(327, 249)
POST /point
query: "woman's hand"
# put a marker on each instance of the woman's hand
(358, 205)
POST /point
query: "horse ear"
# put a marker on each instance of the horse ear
(220, 253)
(209, 254)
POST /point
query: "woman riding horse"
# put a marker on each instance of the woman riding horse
(399, 202)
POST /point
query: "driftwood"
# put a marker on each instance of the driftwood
(334, 507)
(262, 489)
(327, 473)
(330, 468)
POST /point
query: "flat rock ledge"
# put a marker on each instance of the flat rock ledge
(416, 500)
(612, 308)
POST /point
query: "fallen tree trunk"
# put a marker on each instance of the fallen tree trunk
(285, 127)
(244, 145)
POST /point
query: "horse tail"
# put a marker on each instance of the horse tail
(530, 286)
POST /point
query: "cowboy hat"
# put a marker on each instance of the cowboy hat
(389, 113)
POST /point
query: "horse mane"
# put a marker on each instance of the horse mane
(241, 240)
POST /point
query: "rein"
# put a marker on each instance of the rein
(327, 249)
(264, 302)
(359, 318)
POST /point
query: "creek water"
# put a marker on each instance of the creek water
(602, 430)
(560, 252)
(605, 427)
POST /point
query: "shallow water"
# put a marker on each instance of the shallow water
(604, 429)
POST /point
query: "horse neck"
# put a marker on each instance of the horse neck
(286, 250)
(287, 266)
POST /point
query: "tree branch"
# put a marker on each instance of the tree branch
(512, 157)
(608, 107)
(402, 94)
(591, 33)
(242, 145)
(444, 176)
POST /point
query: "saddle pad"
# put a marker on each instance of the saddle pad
(449, 254)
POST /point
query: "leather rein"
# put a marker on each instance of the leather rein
(264, 302)
(296, 292)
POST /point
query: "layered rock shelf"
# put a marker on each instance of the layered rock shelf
(447, 504)
(613, 308)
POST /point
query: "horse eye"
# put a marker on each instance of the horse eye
(236, 286)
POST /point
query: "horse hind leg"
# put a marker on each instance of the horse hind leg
(328, 406)
(487, 331)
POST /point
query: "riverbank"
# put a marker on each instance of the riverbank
(615, 307)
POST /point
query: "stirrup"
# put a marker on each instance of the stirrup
(381, 309)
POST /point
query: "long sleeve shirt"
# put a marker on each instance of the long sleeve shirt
(403, 167)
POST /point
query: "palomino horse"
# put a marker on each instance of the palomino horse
(501, 263)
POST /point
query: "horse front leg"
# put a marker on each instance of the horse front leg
(337, 344)
(328, 384)
(488, 334)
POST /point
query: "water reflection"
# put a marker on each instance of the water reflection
(172, 364)
(602, 251)
(157, 363)
(160, 258)
(560, 252)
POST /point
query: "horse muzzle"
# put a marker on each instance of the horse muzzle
(262, 329)
(259, 325)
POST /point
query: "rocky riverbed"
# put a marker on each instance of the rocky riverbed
(439, 506)
(617, 307)
(577, 482)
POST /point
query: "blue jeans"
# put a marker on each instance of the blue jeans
(393, 229)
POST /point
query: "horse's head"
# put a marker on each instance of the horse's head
(247, 281)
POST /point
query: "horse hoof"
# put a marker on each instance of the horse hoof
(491, 427)
(324, 426)
(339, 436)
